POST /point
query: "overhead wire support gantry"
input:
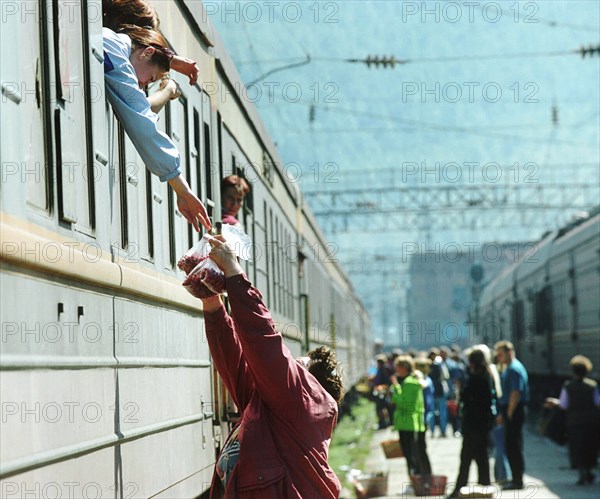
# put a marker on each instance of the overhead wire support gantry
(465, 206)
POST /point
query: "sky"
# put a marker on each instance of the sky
(477, 90)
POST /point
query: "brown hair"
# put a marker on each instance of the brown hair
(325, 367)
(581, 365)
(144, 37)
(507, 346)
(237, 182)
(117, 13)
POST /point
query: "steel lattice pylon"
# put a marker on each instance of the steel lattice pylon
(469, 207)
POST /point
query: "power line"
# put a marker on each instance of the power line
(380, 170)
(391, 61)
(446, 128)
(282, 68)
(405, 129)
(529, 19)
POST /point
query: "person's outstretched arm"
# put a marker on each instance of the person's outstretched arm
(278, 377)
(188, 203)
(132, 108)
(226, 351)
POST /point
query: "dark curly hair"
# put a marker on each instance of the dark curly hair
(325, 367)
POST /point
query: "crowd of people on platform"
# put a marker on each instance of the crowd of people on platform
(482, 395)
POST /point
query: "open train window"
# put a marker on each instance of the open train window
(123, 188)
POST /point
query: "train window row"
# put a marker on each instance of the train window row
(563, 306)
(93, 182)
(279, 255)
(74, 139)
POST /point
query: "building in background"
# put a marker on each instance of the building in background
(445, 282)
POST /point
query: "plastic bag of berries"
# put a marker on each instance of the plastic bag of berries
(206, 279)
(237, 239)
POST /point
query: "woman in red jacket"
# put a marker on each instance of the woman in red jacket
(289, 406)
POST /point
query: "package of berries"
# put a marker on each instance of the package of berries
(205, 280)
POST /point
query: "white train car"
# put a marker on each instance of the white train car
(548, 303)
(106, 382)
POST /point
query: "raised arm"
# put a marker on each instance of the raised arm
(168, 90)
(132, 108)
(185, 66)
(277, 376)
(226, 351)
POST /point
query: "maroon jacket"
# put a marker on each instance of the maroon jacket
(287, 416)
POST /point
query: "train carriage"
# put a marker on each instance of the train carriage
(553, 299)
(106, 380)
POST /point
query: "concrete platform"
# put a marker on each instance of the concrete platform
(547, 476)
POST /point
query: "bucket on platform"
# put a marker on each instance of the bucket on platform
(392, 449)
(429, 485)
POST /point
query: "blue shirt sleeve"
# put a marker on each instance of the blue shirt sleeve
(133, 109)
(515, 382)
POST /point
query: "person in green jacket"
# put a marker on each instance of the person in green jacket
(407, 396)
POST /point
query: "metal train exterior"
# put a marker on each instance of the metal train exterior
(548, 304)
(106, 382)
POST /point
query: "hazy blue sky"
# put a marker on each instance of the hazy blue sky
(371, 122)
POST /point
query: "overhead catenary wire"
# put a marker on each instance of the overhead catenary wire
(414, 124)
(530, 19)
(292, 62)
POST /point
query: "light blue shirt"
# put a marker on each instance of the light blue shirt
(133, 109)
(515, 378)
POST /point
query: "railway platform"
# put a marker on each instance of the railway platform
(547, 476)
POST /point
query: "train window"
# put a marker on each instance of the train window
(560, 305)
(268, 168)
(163, 201)
(275, 261)
(586, 300)
(179, 132)
(149, 202)
(543, 311)
(209, 197)
(220, 144)
(284, 281)
(517, 322)
(265, 253)
(196, 163)
(290, 265)
(25, 117)
(280, 284)
(271, 261)
(123, 188)
(73, 117)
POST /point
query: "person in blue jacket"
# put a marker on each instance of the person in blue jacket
(134, 58)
